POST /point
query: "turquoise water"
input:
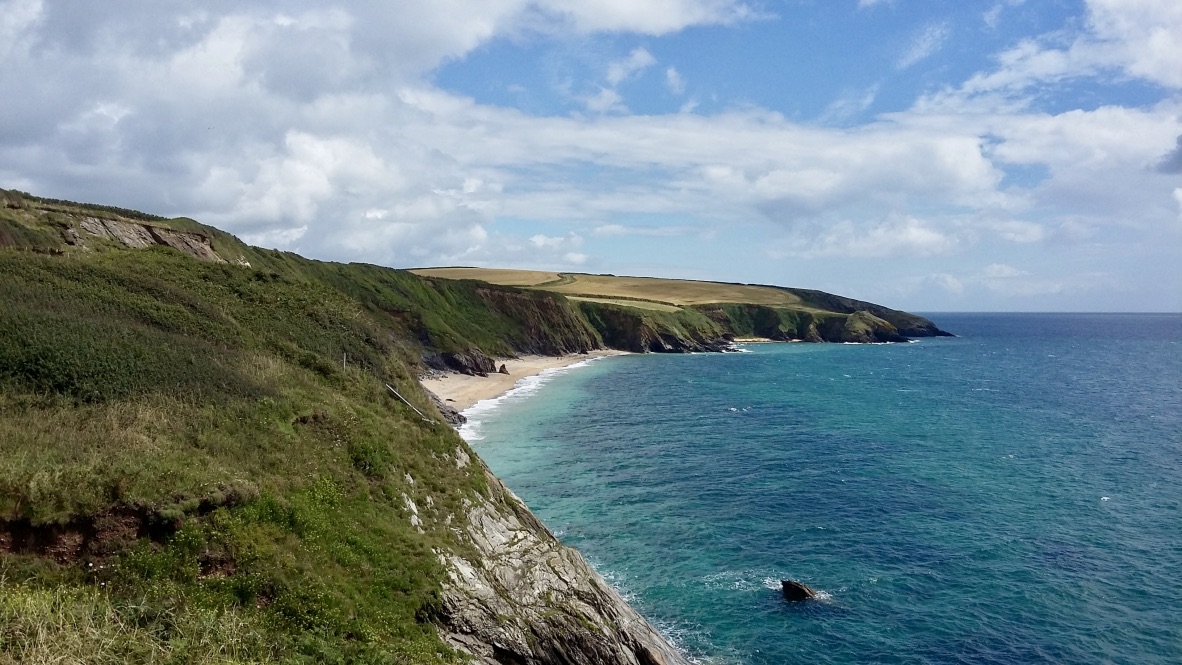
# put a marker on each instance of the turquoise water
(1013, 495)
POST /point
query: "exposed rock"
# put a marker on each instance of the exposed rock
(811, 334)
(796, 591)
(70, 235)
(193, 244)
(449, 412)
(474, 362)
(528, 599)
(138, 236)
(502, 369)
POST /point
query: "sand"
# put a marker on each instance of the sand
(462, 390)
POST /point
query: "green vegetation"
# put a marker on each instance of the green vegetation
(201, 461)
(201, 405)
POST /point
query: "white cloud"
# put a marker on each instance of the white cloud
(612, 230)
(655, 17)
(925, 44)
(949, 283)
(17, 20)
(276, 238)
(1140, 38)
(1178, 198)
(604, 101)
(674, 81)
(1001, 271)
(630, 67)
(992, 16)
(850, 104)
(314, 128)
(903, 236)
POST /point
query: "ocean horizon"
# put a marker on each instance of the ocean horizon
(1009, 495)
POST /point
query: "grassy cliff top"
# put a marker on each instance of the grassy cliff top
(675, 292)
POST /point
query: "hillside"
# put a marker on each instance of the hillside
(207, 455)
(774, 312)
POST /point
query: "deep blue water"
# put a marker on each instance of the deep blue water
(1012, 495)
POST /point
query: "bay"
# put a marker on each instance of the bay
(1010, 495)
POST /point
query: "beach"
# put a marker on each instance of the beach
(463, 390)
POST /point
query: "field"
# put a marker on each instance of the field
(627, 290)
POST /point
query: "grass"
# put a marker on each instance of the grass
(200, 462)
(667, 292)
(206, 479)
(206, 400)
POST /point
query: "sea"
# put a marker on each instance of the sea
(1009, 495)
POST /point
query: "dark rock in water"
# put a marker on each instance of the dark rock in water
(795, 591)
(503, 369)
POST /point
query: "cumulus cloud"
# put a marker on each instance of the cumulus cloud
(1172, 161)
(314, 127)
(1138, 38)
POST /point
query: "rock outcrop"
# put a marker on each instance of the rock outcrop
(472, 362)
(865, 328)
(525, 598)
(136, 235)
(450, 414)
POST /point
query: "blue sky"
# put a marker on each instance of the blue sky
(996, 155)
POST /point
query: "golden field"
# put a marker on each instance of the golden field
(643, 292)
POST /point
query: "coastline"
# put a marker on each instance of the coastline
(462, 391)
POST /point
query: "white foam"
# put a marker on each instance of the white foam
(530, 385)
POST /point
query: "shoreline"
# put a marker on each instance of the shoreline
(463, 391)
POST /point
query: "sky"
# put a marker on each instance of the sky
(992, 155)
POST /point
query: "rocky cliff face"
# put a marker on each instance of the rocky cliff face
(642, 331)
(525, 598)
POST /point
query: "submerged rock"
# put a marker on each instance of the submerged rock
(796, 591)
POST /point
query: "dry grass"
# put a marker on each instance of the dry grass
(673, 291)
(71, 625)
(492, 275)
(639, 304)
(668, 292)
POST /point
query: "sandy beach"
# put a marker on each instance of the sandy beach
(462, 390)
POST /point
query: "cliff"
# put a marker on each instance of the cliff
(204, 459)
(201, 461)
